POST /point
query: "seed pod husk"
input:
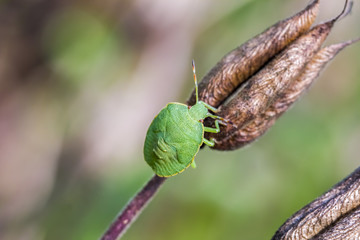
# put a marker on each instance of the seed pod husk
(239, 64)
(334, 215)
(285, 100)
(261, 90)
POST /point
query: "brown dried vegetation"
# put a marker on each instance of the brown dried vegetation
(239, 64)
(251, 82)
(253, 85)
(334, 215)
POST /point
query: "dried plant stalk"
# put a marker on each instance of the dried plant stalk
(285, 100)
(242, 62)
(133, 209)
(334, 215)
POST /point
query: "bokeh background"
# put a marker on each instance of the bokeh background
(80, 81)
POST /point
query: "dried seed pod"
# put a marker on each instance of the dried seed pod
(242, 62)
(263, 122)
(347, 227)
(334, 215)
(258, 93)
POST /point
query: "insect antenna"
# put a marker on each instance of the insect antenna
(195, 80)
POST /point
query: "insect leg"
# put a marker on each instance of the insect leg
(213, 130)
(193, 164)
(210, 143)
(211, 108)
(222, 121)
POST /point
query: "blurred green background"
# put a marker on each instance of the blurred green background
(80, 81)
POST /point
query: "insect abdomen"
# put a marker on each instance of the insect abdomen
(172, 141)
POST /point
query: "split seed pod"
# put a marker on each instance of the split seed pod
(257, 93)
(249, 107)
(294, 91)
(239, 64)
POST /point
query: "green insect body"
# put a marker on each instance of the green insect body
(176, 134)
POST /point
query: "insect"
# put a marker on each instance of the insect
(176, 134)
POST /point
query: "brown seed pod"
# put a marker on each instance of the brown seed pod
(258, 93)
(242, 62)
(333, 216)
(284, 101)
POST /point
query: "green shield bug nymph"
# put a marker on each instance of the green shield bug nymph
(176, 134)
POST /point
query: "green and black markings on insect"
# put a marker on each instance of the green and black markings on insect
(176, 134)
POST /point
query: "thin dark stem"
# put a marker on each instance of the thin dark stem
(133, 209)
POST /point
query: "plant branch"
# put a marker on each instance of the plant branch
(133, 209)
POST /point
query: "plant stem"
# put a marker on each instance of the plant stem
(133, 209)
